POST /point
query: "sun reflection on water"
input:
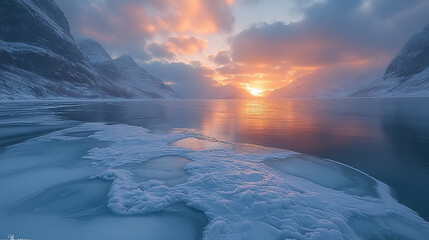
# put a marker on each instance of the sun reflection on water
(278, 123)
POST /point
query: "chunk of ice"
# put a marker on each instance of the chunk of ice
(168, 169)
(327, 173)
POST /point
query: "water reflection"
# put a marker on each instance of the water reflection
(387, 138)
(202, 144)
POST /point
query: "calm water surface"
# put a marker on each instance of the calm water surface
(386, 138)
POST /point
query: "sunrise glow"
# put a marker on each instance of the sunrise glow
(215, 49)
(214, 119)
(255, 91)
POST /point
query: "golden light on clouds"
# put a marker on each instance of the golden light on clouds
(248, 45)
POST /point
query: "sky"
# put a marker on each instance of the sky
(241, 48)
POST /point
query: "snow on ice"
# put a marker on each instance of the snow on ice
(200, 187)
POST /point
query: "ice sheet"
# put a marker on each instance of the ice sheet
(245, 196)
(124, 181)
(168, 169)
(184, 224)
(47, 192)
(326, 173)
(39, 163)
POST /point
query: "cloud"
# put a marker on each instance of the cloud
(279, 43)
(358, 35)
(160, 51)
(221, 58)
(332, 31)
(193, 80)
(176, 46)
(136, 21)
(336, 41)
(186, 45)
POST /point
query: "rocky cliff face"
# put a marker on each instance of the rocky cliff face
(38, 56)
(40, 59)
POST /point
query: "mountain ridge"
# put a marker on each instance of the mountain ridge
(125, 71)
(406, 75)
(39, 58)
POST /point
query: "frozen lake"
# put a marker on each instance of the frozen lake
(132, 169)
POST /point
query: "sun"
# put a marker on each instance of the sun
(257, 92)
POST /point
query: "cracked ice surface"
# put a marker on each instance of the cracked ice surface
(47, 192)
(251, 192)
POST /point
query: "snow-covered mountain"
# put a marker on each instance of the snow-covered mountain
(40, 59)
(406, 75)
(125, 73)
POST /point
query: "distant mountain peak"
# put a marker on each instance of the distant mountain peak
(126, 61)
(94, 51)
(413, 58)
(406, 75)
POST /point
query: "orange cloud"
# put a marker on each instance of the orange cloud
(335, 42)
(266, 77)
(271, 56)
(135, 21)
(177, 46)
(181, 16)
(186, 45)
